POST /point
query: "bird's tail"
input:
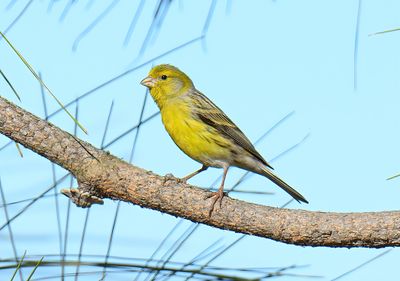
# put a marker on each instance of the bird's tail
(275, 179)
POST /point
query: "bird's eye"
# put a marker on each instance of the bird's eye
(164, 77)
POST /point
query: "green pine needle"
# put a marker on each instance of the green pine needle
(18, 266)
(386, 31)
(42, 83)
(33, 271)
(393, 177)
(19, 150)
(9, 84)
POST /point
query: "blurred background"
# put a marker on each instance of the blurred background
(306, 80)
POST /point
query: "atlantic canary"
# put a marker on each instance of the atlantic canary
(203, 131)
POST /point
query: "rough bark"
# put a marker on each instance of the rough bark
(101, 175)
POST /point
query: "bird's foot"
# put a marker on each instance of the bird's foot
(168, 178)
(171, 177)
(217, 196)
(183, 180)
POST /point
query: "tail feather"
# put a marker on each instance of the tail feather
(275, 179)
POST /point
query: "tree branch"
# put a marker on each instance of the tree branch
(101, 175)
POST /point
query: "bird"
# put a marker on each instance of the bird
(203, 131)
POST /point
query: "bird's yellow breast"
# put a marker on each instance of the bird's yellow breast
(193, 137)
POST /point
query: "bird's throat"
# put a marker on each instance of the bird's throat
(158, 97)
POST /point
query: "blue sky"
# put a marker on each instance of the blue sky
(258, 62)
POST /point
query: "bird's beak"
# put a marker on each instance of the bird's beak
(149, 82)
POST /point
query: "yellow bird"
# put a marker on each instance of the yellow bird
(203, 131)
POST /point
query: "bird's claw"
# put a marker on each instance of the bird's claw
(217, 196)
(169, 178)
(183, 180)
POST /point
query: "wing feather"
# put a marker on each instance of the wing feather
(210, 114)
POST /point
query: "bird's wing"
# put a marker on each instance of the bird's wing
(213, 116)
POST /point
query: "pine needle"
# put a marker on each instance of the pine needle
(34, 269)
(42, 83)
(9, 84)
(19, 150)
(393, 177)
(385, 31)
(18, 266)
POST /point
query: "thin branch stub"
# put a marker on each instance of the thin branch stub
(83, 199)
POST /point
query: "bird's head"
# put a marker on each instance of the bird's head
(166, 82)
